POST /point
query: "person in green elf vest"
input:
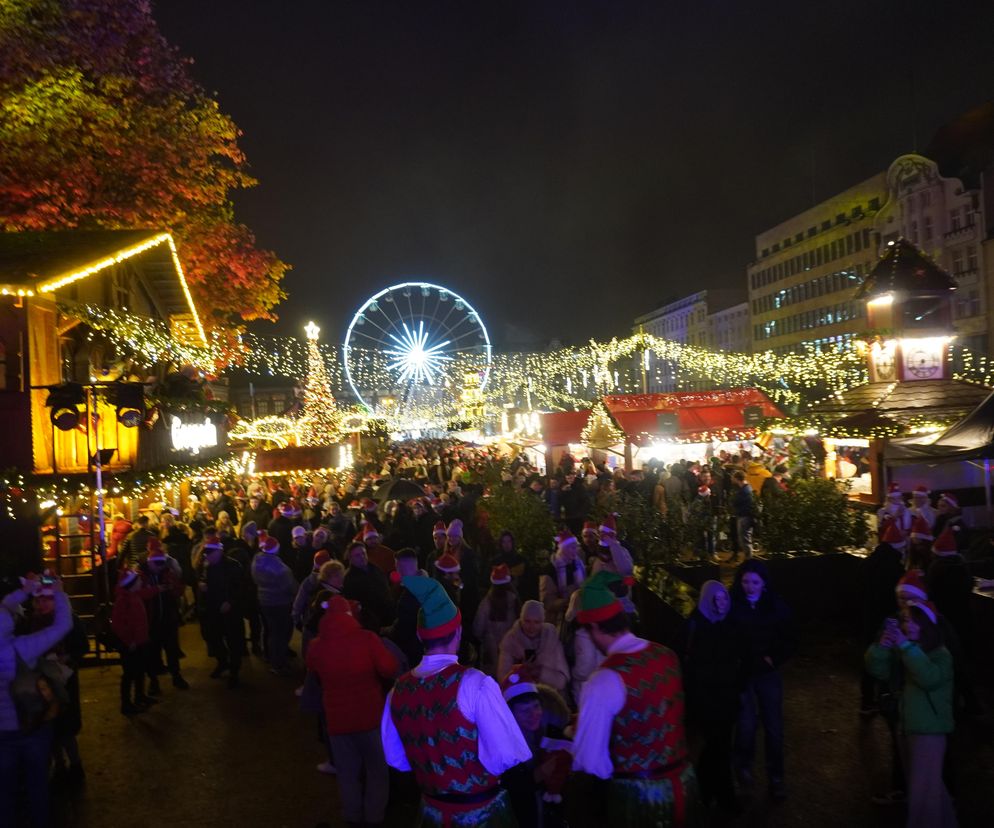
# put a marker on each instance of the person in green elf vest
(630, 732)
(450, 725)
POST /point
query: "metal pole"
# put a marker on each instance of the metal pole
(643, 359)
(95, 425)
(987, 492)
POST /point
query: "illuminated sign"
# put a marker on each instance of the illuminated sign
(192, 437)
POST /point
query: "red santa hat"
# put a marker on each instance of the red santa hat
(439, 528)
(566, 539)
(298, 532)
(154, 548)
(321, 557)
(455, 528)
(369, 532)
(127, 577)
(920, 530)
(928, 608)
(500, 574)
(894, 492)
(289, 509)
(946, 542)
(589, 526)
(447, 563)
(921, 491)
(893, 535)
(703, 491)
(355, 504)
(515, 684)
(268, 544)
(608, 530)
(368, 505)
(912, 585)
(950, 500)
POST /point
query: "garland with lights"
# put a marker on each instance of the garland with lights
(564, 379)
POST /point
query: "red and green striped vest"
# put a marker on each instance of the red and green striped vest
(440, 743)
(647, 734)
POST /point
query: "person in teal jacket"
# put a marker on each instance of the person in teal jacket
(912, 649)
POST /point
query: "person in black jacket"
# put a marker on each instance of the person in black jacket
(881, 572)
(221, 594)
(404, 630)
(711, 650)
(765, 621)
(258, 511)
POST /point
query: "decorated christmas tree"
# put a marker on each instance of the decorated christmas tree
(322, 419)
(600, 432)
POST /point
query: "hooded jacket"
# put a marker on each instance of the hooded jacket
(352, 664)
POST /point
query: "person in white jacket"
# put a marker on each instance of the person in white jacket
(25, 753)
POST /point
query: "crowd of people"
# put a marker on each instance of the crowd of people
(921, 645)
(513, 685)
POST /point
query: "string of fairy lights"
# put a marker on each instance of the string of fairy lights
(562, 379)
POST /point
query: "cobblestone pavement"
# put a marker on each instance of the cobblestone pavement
(212, 756)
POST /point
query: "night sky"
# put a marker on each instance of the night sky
(565, 166)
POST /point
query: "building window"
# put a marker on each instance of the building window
(849, 244)
(954, 220)
(957, 261)
(971, 258)
(914, 232)
(925, 198)
(875, 203)
(927, 229)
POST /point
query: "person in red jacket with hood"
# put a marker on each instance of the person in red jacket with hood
(352, 664)
(129, 621)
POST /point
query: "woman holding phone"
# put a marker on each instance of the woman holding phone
(913, 646)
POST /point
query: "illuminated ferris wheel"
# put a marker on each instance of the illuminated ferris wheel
(410, 340)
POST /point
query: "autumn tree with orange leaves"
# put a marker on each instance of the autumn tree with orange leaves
(103, 126)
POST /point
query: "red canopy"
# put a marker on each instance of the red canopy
(562, 427)
(698, 413)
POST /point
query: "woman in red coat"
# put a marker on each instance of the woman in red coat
(352, 665)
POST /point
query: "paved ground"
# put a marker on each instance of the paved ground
(213, 756)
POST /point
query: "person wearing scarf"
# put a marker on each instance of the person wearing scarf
(714, 674)
(562, 577)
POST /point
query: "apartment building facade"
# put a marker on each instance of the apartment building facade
(713, 319)
(807, 268)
